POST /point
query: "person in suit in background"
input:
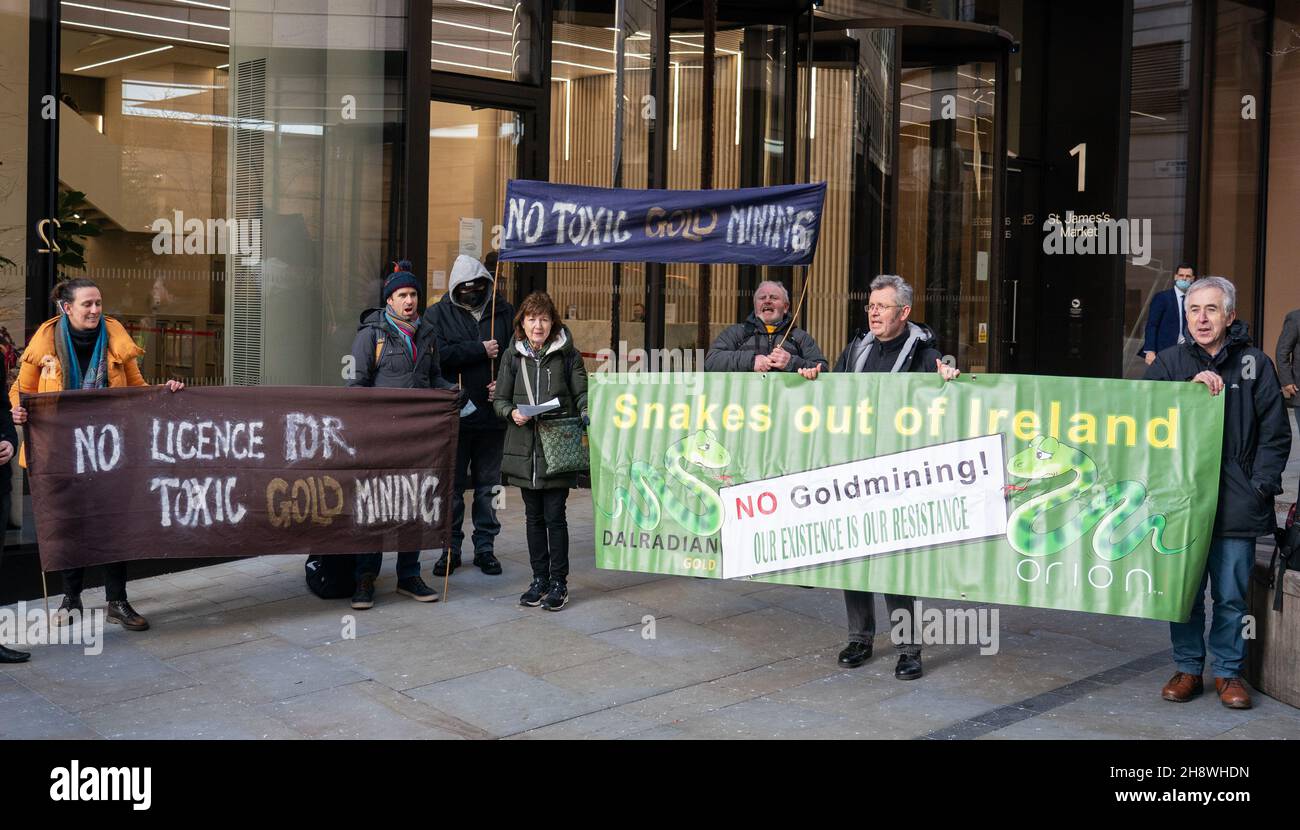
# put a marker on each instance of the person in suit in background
(1288, 354)
(1166, 319)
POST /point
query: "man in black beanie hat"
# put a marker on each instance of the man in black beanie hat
(394, 349)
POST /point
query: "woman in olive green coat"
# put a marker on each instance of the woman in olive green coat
(543, 348)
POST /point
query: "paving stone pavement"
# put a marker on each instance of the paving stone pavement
(242, 650)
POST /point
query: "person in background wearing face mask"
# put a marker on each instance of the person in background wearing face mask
(1166, 321)
(756, 345)
(470, 329)
(394, 349)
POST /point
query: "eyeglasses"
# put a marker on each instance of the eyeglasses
(874, 307)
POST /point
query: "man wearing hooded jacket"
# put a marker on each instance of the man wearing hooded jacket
(394, 349)
(1256, 443)
(892, 343)
(469, 330)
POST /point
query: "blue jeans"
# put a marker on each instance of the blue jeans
(478, 465)
(1227, 570)
(408, 564)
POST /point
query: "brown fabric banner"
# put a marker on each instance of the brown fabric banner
(143, 473)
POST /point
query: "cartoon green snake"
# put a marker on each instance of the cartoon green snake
(654, 495)
(1105, 507)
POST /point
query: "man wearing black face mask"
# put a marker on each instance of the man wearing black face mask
(469, 333)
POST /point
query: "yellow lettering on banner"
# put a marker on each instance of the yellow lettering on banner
(1083, 429)
(733, 417)
(839, 426)
(279, 518)
(1054, 420)
(995, 419)
(913, 414)
(654, 414)
(807, 419)
(1026, 424)
(625, 411)
(761, 418)
(1170, 426)
(1113, 423)
(679, 416)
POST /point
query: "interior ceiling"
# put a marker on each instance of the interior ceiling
(83, 48)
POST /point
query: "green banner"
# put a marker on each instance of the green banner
(1071, 493)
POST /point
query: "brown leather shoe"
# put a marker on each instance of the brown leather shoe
(121, 612)
(1182, 687)
(1232, 692)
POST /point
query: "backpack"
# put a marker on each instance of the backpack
(1286, 555)
(332, 577)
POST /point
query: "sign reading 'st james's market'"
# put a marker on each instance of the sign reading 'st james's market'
(547, 222)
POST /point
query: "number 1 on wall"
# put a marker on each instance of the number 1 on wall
(1081, 150)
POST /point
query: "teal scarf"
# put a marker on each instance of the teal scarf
(95, 376)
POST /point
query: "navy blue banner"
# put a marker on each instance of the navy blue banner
(547, 222)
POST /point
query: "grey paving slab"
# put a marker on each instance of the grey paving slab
(1266, 728)
(694, 600)
(780, 675)
(695, 649)
(30, 716)
(818, 603)
(408, 657)
(685, 703)
(620, 679)
(264, 670)
(768, 719)
(194, 713)
(77, 681)
(778, 634)
(535, 644)
(309, 621)
(603, 725)
(196, 634)
(504, 701)
(366, 710)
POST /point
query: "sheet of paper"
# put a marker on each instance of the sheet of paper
(468, 409)
(533, 411)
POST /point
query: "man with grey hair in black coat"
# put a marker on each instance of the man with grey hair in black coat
(891, 343)
(1256, 443)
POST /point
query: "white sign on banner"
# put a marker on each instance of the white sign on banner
(929, 497)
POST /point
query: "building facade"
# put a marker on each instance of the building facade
(237, 174)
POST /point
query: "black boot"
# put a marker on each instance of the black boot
(8, 655)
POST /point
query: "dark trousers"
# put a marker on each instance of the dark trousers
(548, 532)
(408, 564)
(861, 608)
(114, 581)
(478, 465)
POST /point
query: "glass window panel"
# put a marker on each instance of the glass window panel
(488, 38)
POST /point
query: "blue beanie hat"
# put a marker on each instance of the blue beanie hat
(401, 277)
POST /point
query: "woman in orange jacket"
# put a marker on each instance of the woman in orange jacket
(83, 349)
